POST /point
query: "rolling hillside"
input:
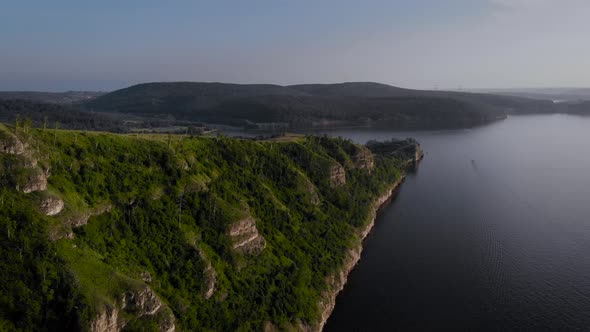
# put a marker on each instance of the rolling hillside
(313, 105)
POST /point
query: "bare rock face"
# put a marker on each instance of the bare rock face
(146, 302)
(210, 275)
(363, 159)
(245, 236)
(37, 181)
(167, 325)
(337, 280)
(12, 145)
(142, 302)
(52, 205)
(81, 219)
(337, 175)
(313, 194)
(106, 321)
(146, 276)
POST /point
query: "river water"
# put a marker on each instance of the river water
(492, 232)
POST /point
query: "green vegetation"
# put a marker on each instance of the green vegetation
(313, 105)
(71, 116)
(156, 210)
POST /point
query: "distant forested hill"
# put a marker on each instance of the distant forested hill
(67, 97)
(507, 104)
(68, 116)
(181, 97)
(304, 106)
(52, 115)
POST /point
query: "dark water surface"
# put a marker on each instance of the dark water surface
(491, 233)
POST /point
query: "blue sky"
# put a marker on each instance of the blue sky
(104, 45)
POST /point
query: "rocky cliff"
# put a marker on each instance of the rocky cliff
(337, 175)
(11, 144)
(209, 273)
(337, 281)
(139, 303)
(152, 232)
(409, 152)
(245, 236)
(52, 205)
(364, 159)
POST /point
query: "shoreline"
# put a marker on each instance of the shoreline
(338, 281)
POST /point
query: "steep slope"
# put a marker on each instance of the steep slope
(106, 232)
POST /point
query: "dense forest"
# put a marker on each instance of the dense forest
(53, 115)
(68, 97)
(176, 106)
(315, 105)
(172, 232)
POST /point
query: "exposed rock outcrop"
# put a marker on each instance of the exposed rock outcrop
(144, 302)
(30, 161)
(52, 205)
(81, 218)
(139, 303)
(168, 324)
(107, 320)
(37, 181)
(210, 275)
(11, 144)
(364, 159)
(337, 175)
(245, 236)
(337, 281)
(146, 276)
(313, 193)
(310, 188)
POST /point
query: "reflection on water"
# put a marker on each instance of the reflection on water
(491, 233)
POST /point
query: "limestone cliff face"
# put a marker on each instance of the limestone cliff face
(142, 302)
(107, 320)
(364, 159)
(314, 198)
(337, 175)
(37, 177)
(37, 181)
(81, 218)
(337, 281)
(245, 236)
(52, 205)
(12, 145)
(210, 275)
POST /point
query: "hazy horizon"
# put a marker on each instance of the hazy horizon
(476, 89)
(425, 44)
